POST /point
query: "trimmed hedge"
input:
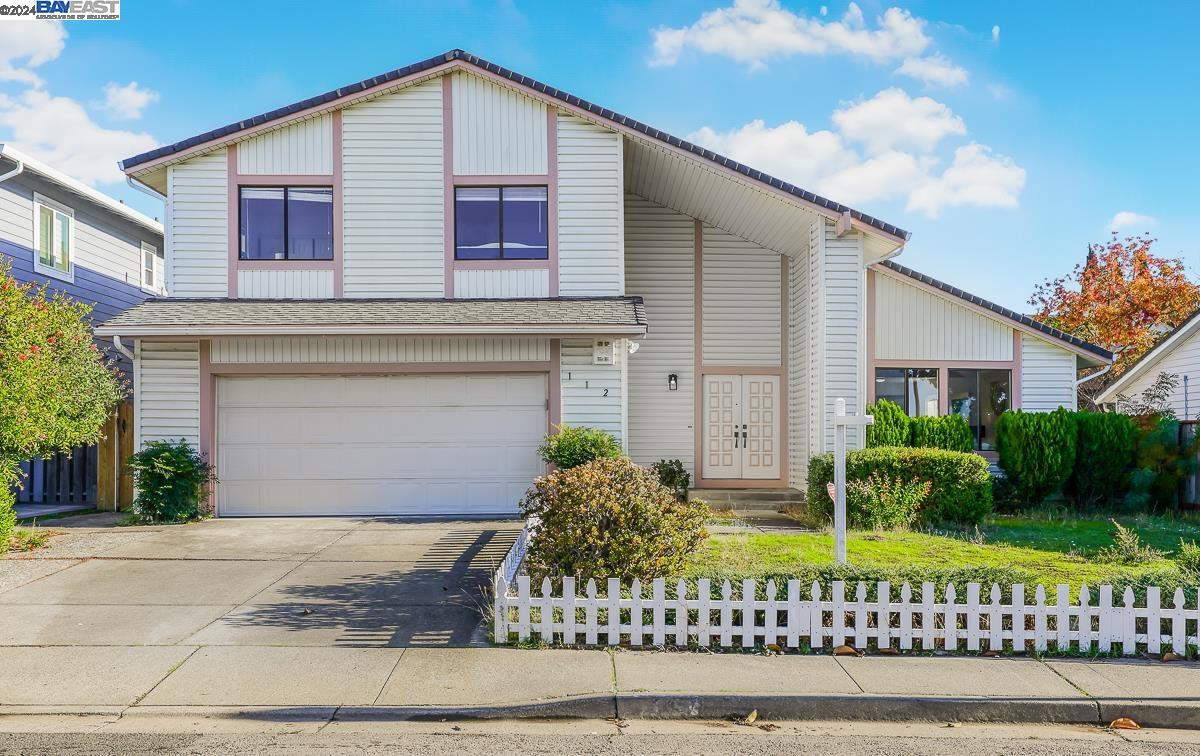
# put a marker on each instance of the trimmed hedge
(962, 486)
(1037, 451)
(572, 447)
(1104, 452)
(891, 426)
(949, 432)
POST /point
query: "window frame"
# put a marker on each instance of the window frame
(500, 225)
(937, 382)
(156, 285)
(287, 247)
(41, 201)
(976, 434)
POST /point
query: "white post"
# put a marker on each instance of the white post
(840, 422)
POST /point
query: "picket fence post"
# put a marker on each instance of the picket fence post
(635, 614)
(816, 622)
(1018, 618)
(795, 618)
(1085, 619)
(906, 615)
(658, 627)
(500, 609)
(1040, 642)
(1062, 622)
(770, 629)
(1153, 620)
(590, 615)
(972, 618)
(704, 619)
(950, 613)
(883, 615)
(1106, 619)
(726, 614)
(613, 598)
(681, 614)
(526, 597)
(928, 623)
(838, 631)
(748, 613)
(1179, 623)
(1129, 625)
(860, 616)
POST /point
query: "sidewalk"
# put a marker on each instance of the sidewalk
(273, 685)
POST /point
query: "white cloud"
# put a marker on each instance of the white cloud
(1127, 220)
(753, 31)
(892, 119)
(996, 34)
(934, 70)
(976, 177)
(59, 131)
(127, 102)
(27, 45)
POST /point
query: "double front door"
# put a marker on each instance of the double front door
(741, 427)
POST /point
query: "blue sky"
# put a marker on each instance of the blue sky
(1004, 136)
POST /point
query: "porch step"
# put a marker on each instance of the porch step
(761, 499)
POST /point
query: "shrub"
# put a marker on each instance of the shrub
(571, 447)
(672, 474)
(1127, 547)
(961, 487)
(610, 518)
(172, 482)
(1160, 464)
(949, 432)
(1104, 449)
(1037, 451)
(883, 503)
(1188, 556)
(891, 426)
(8, 518)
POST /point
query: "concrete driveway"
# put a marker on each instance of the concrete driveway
(323, 582)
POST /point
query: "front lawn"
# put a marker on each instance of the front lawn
(1006, 549)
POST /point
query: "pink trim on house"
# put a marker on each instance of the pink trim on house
(552, 194)
(982, 364)
(285, 179)
(554, 386)
(448, 182)
(208, 415)
(870, 326)
(338, 206)
(1014, 383)
(521, 179)
(785, 419)
(232, 210)
(698, 345)
(375, 368)
(500, 265)
(288, 265)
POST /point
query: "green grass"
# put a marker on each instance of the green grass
(23, 539)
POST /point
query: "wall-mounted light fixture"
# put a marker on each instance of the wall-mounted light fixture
(672, 382)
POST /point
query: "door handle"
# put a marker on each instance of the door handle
(735, 434)
(744, 436)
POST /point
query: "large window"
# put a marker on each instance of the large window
(501, 223)
(914, 389)
(286, 223)
(979, 396)
(54, 237)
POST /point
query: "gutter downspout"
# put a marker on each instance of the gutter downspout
(1096, 374)
(122, 348)
(14, 172)
(143, 188)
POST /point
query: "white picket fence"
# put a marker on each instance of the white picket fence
(809, 616)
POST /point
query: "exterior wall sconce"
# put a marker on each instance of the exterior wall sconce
(672, 382)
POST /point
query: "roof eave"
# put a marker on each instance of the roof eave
(481, 329)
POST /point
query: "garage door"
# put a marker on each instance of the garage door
(387, 444)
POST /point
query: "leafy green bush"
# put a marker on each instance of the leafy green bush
(571, 447)
(8, 518)
(610, 518)
(172, 482)
(1104, 449)
(1160, 464)
(673, 475)
(1037, 451)
(1188, 557)
(948, 432)
(884, 503)
(961, 484)
(891, 426)
(1127, 547)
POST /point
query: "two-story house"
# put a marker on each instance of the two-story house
(381, 298)
(61, 233)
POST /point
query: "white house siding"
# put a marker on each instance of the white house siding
(816, 338)
(502, 284)
(285, 284)
(167, 392)
(590, 209)
(914, 324)
(378, 349)
(496, 130)
(393, 200)
(592, 395)
(660, 268)
(798, 370)
(198, 224)
(1047, 376)
(1183, 360)
(302, 148)
(742, 301)
(844, 344)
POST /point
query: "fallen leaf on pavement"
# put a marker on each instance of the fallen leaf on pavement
(1124, 723)
(846, 651)
(889, 651)
(775, 647)
(750, 718)
(990, 653)
(768, 727)
(1171, 656)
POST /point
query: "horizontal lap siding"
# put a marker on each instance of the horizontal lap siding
(914, 324)
(392, 195)
(302, 148)
(1183, 360)
(167, 382)
(742, 301)
(798, 371)
(1047, 376)
(502, 284)
(496, 131)
(660, 267)
(198, 219)
(584, 385)
(285, 284)
(590, 209)
(844, 317)
(379, 349)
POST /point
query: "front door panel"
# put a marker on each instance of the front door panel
(722, 426)
(760, 426)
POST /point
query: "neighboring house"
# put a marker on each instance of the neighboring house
(1178, 354)
(937, 350)
(382, 297)
(59, 232)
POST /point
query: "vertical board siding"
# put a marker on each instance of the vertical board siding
(1047, 376)
(378, 349)
(590, 209)
(285, 284)
(584, 386)
(302, 148)
(392, 195)
(168, 391)
(798, 371)
(914, 324)
(502, 284)
(1183, 360)
(198, 216)
(844, 286)
(496, 130)
(660, 268)
(742, 301)
(816, 338)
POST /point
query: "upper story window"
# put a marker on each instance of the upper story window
(53, 238)
(914, 389)
(286, 223)
(501, 223)
(152, 269)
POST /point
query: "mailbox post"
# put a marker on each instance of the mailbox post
(842, 421)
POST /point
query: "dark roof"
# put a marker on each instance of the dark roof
(1003, 311)
(557, 313)
(538, 86)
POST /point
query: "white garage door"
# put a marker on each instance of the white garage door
(387, 444)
